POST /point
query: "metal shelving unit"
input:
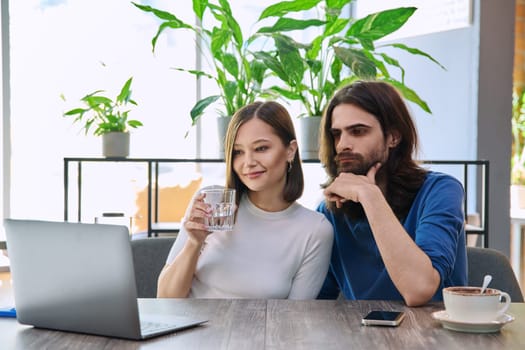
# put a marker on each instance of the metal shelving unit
(470, 169)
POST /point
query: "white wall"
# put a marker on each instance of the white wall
(470, 101)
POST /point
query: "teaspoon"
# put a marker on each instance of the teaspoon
(486, 281)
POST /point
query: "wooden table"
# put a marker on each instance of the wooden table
(281, 324)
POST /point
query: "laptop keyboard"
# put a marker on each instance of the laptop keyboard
(147, 327)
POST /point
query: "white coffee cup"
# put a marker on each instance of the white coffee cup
(466, 304)
(222, 204)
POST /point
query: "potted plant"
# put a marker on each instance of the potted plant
(235, 71)
(109, 118)
(343, 51)
(518, 150)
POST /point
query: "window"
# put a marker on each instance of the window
(74, 47)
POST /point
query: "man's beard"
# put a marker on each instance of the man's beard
(358, 164)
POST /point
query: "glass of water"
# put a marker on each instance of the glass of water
(222, 203)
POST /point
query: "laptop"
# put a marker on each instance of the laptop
(80, 278)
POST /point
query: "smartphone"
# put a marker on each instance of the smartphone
(383, 318)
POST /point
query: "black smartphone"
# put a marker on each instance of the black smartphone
(383, 318)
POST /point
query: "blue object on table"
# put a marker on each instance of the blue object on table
(7, 312)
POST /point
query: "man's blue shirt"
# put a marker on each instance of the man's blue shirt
(435, 222)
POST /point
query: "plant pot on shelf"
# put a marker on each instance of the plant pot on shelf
(115, 144)
(309, 137)
(222, 127)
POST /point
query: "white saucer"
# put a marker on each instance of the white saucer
(485, 327)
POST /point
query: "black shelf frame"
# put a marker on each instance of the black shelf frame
(152, 164)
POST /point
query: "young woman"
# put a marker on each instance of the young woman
(277, 249)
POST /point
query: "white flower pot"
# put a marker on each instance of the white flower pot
(222, 127)
(115, 145)
(309, 137)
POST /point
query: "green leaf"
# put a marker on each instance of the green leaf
(94, 93)
(159, 13)
(217, 13)
(199, 6)
(290, 58)
(200, 106)
(232, 24)
(219, 41)
(221, 78)
(273, 64)
(415, 51)
(380, 65)
(315, 48)
(75, 111)
(393, 62)
(286, 93)
(282, 8)
(351, 41)
(230, 89)
(347, 81)
(225, 5)
(97, 100)
(258, 69)
(237, 33)
(230, 64)
(171, 21)
(163, 26)
(315, 93)
(87, 126)
(380, 24)
(328, 90)
(335, 70)
(125, 92)
(357, 61)
(367, 44)
(409, 94)
(288, 24)
(335, 27)
(134, 123)
(315, 66)
(197, 73)
(224, 16)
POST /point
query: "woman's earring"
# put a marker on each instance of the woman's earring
(289, 166)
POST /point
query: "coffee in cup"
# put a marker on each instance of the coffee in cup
(467, 304)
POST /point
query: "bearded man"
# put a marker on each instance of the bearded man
(398, 228)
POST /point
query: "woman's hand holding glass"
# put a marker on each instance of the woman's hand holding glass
(194, 222)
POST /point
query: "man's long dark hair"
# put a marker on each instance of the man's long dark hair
(404, 175)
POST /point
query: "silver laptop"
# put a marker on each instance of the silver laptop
(80, 278)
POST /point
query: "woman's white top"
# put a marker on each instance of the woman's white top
(268, 255)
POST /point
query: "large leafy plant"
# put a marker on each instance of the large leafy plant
(344, 50)
(105, 113)
(236, 73)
